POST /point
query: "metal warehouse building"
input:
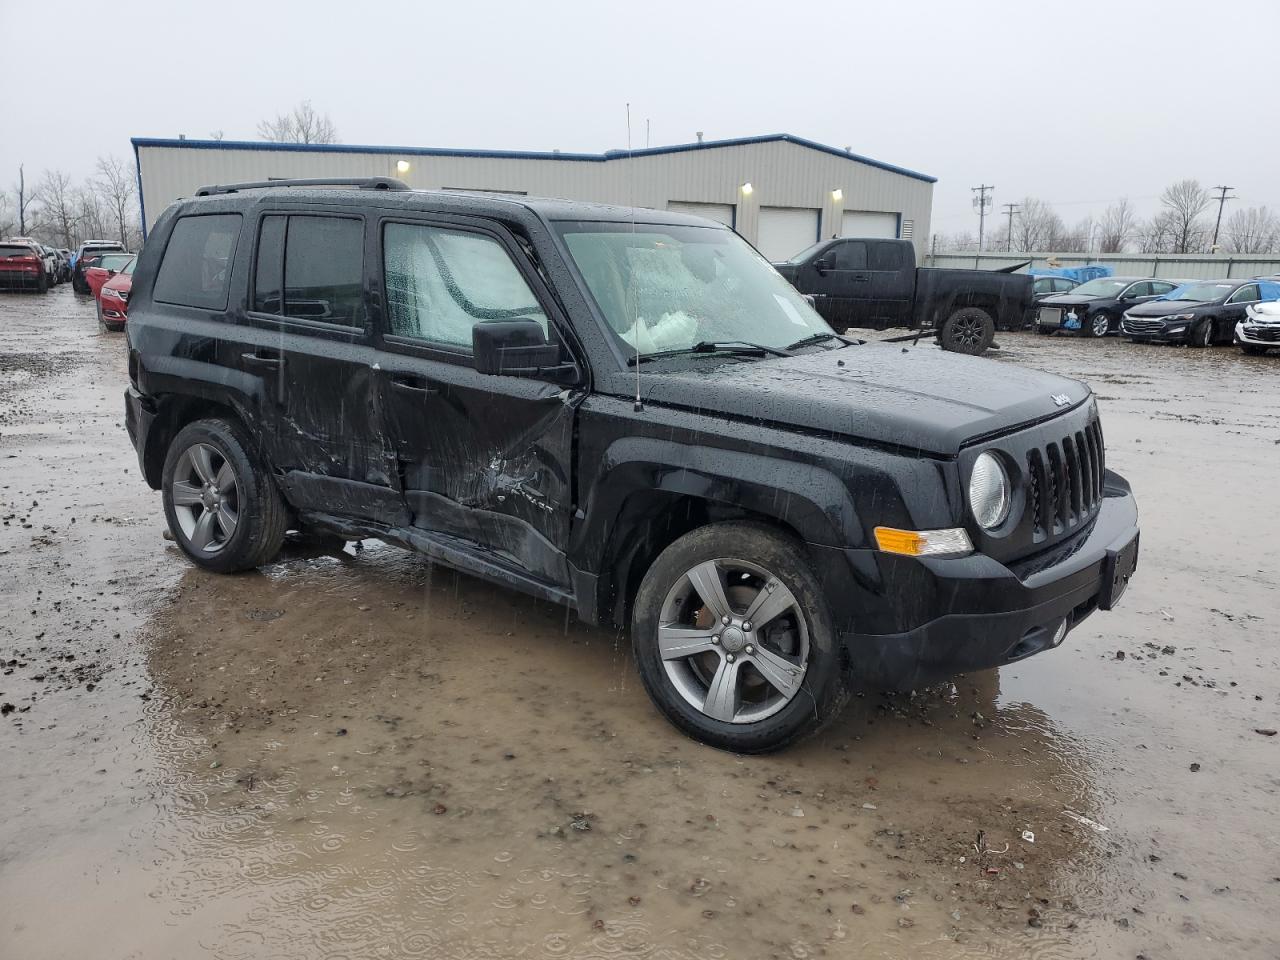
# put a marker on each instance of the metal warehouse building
(780, 192)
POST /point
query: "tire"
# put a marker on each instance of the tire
(1102, 320)
(43, 285)
(248, 498)
(968, 330)
(1202, 335)
(758, 716)
(1253, 351)
(1043, 331)
(97, 306)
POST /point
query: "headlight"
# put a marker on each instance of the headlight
(989, 492)
(108, 292)
(1181, 316)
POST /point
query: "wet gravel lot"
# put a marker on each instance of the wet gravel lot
(359, 755)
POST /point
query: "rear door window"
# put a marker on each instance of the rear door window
(311, 268)
(196, 269)
(885, 256)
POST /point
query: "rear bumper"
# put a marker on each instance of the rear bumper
(973, 612)
(139, 416)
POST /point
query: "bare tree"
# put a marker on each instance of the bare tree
(1036, 227)
(300, 125)
(6, 217)
(58, 201)
(90, 214)
(1253, 230)
(216, 135)
(118, 185)
(963, 241)
(1116, 227)
(1183, 203)
(25, 199)
(1159, 234)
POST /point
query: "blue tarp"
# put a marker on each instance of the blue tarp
(1079, 274)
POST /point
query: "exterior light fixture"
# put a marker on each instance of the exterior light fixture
(747, 189)
(402, 166)
(837, 194)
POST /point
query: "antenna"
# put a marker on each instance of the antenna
(635, 325)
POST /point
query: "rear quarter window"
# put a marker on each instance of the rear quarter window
(196, 268)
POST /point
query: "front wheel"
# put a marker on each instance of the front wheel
(733, 639)
(1253, 351)
(969, 330)
(1099, 324)
(1202, 334)
(223, 508)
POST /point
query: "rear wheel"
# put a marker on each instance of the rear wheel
(733, 639)
(1099, 324)
(42, 285)
(968, 330)
(223, 508)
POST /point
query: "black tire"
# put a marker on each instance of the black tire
(42, 286)
(97, 306)
(1201, 335)
(1043, 331)
(1253, 351)
(822, 691)
(968, 330)
(262, 517)
(1100, 319)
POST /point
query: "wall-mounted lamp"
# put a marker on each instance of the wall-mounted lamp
(837, 194)
(402, 166)
(747, 189)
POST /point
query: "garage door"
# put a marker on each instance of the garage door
(786, 230)
(863, 223)
(719, 212)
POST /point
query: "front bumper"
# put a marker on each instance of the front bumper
(972, 613)
(1156, 331)
(1258, 334)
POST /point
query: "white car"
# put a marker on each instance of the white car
(1259, 331)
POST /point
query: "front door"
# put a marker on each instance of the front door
(847, 283)
(1234, 310)
(484, 459)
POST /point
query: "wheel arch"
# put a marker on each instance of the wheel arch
(175, 411)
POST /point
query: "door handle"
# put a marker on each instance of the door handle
(414, 385)
(262, 361)
(861, 277)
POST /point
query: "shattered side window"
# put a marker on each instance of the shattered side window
(440, 283)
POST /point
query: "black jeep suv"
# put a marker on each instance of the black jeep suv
(624, 411)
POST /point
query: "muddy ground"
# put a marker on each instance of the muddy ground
(359, 755)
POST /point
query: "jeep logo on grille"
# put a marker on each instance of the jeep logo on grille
(1060, 399)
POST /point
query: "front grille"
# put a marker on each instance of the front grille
(1064, 486)
(1050, 317)
(1143, 325)
(1265, 334)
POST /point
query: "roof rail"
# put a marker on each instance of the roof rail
(360, 183)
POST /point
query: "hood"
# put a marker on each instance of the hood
(1163, 308)
(1265, 312)
(922, 399)
(1069, 300)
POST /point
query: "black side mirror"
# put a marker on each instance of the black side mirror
(517, 348)
(823, 266)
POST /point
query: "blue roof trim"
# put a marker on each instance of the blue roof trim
(521, 154)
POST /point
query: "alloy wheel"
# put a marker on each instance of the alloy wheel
(206, 497)
(968, 331)
(733, 641)
(1101, 324)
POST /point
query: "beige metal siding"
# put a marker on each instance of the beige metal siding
(782, 174)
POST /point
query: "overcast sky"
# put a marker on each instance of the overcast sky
(1076, 103)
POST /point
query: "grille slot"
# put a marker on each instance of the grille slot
(1064, 482)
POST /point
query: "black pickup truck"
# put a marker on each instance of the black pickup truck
(875, 283)
(630, 415)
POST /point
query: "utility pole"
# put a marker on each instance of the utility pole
(981, 202)
(22, 202)
(1222, 202)
(1011, 209)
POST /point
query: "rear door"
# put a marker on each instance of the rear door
(483, 459)
(892, 279)
(307, 335)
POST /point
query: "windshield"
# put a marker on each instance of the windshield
(662, 287)
(1102, 287)
(128, 267)
(806, 253)
(1200, 292)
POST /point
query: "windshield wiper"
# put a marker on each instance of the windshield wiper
(710, 346)
(820, 337)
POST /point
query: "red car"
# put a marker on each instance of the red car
(21, 266)
(113, 298)
(103, 268)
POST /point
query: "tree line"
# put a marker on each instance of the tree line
(1185, 223)
(61, 212)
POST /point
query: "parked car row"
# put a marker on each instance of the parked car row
(1094, 309)
(28, 264)
(1199, 314)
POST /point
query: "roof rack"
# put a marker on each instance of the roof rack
(360, 183)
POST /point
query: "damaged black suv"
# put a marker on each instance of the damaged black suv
(628, 412)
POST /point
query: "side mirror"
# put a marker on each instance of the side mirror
(111, 273)
(517, 348)
(823, 266)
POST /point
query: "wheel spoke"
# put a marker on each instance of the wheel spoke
(202, 463)
(722, 695)
(783, 675)
(227, 520)
(705, 578)
(772, 601)
(185, 494)
(202, 535)
(226, 479)
(675, 643)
